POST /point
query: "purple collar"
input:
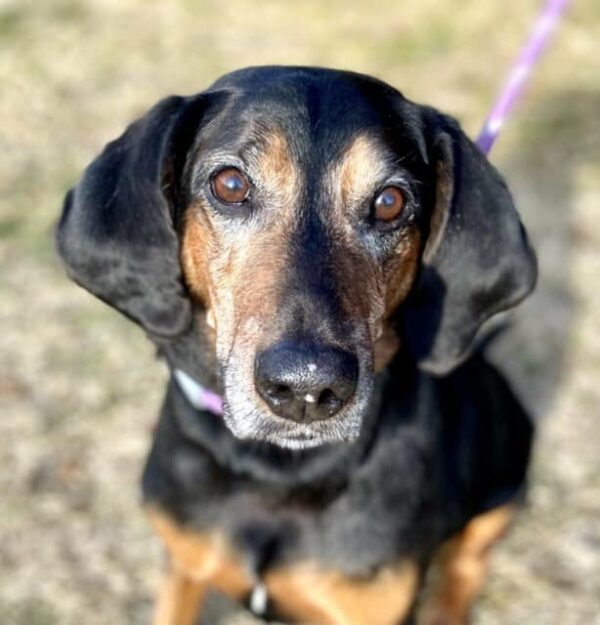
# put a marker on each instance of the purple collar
(199, 397)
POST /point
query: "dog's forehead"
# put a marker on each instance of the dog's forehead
(317, 110)
(313, 86)
(314, 120)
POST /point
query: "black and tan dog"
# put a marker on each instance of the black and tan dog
(322, 252)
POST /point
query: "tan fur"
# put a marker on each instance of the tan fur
(197, 242)
(401, 269)
(204, 558)
(304, 592)
(441, 210)
(308, 594)
(180, 600)
(359, 171)
(220, 267)
(385, 348)
(354, 180)
(463, 566)
(276, 171)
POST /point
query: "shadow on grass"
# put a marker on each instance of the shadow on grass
(560, 137)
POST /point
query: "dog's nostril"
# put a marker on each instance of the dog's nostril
(327, 397)
(328, 403)
(280, 392)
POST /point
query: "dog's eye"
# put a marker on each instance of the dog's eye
(230, 186)
(388, 204)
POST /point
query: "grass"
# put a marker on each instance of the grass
(79, 387)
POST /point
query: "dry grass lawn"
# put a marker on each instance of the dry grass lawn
(79, 386)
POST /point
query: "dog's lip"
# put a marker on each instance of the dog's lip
(298, 441)
(301, 436)
(306, 439)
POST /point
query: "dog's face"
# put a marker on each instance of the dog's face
(301, 236)
(306, 221)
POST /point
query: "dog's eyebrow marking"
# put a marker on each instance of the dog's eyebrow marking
(364, 164)
(270, 155)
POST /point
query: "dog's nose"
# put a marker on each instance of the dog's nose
(305, 383)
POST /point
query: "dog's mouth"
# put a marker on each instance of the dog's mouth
(300, 440)
(267, 427)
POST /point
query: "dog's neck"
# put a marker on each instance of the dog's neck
(187, 404)
(194, 403)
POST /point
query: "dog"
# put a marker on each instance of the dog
(322, 253)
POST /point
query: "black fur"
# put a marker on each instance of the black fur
(481, 262)
(433, 451)
(425, 464)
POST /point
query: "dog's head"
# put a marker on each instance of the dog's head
(304, 223)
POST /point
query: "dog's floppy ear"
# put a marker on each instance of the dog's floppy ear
(477, 260)
(117, 235)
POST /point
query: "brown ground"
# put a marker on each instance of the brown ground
(79, 388)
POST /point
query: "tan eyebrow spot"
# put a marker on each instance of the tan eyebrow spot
(276, 170)
(361, 168)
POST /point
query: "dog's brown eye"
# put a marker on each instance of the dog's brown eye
(388, 204)
(230, 186)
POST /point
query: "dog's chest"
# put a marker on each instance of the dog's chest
(373, 517)
(304, 590)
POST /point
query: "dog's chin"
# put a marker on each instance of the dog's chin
(299, 442)
(271, 429)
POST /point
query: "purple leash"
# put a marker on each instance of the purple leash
(203, 398)
(530, 55)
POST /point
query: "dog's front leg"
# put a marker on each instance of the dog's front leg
(180, 600)
(198, 561)
(462, 568)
